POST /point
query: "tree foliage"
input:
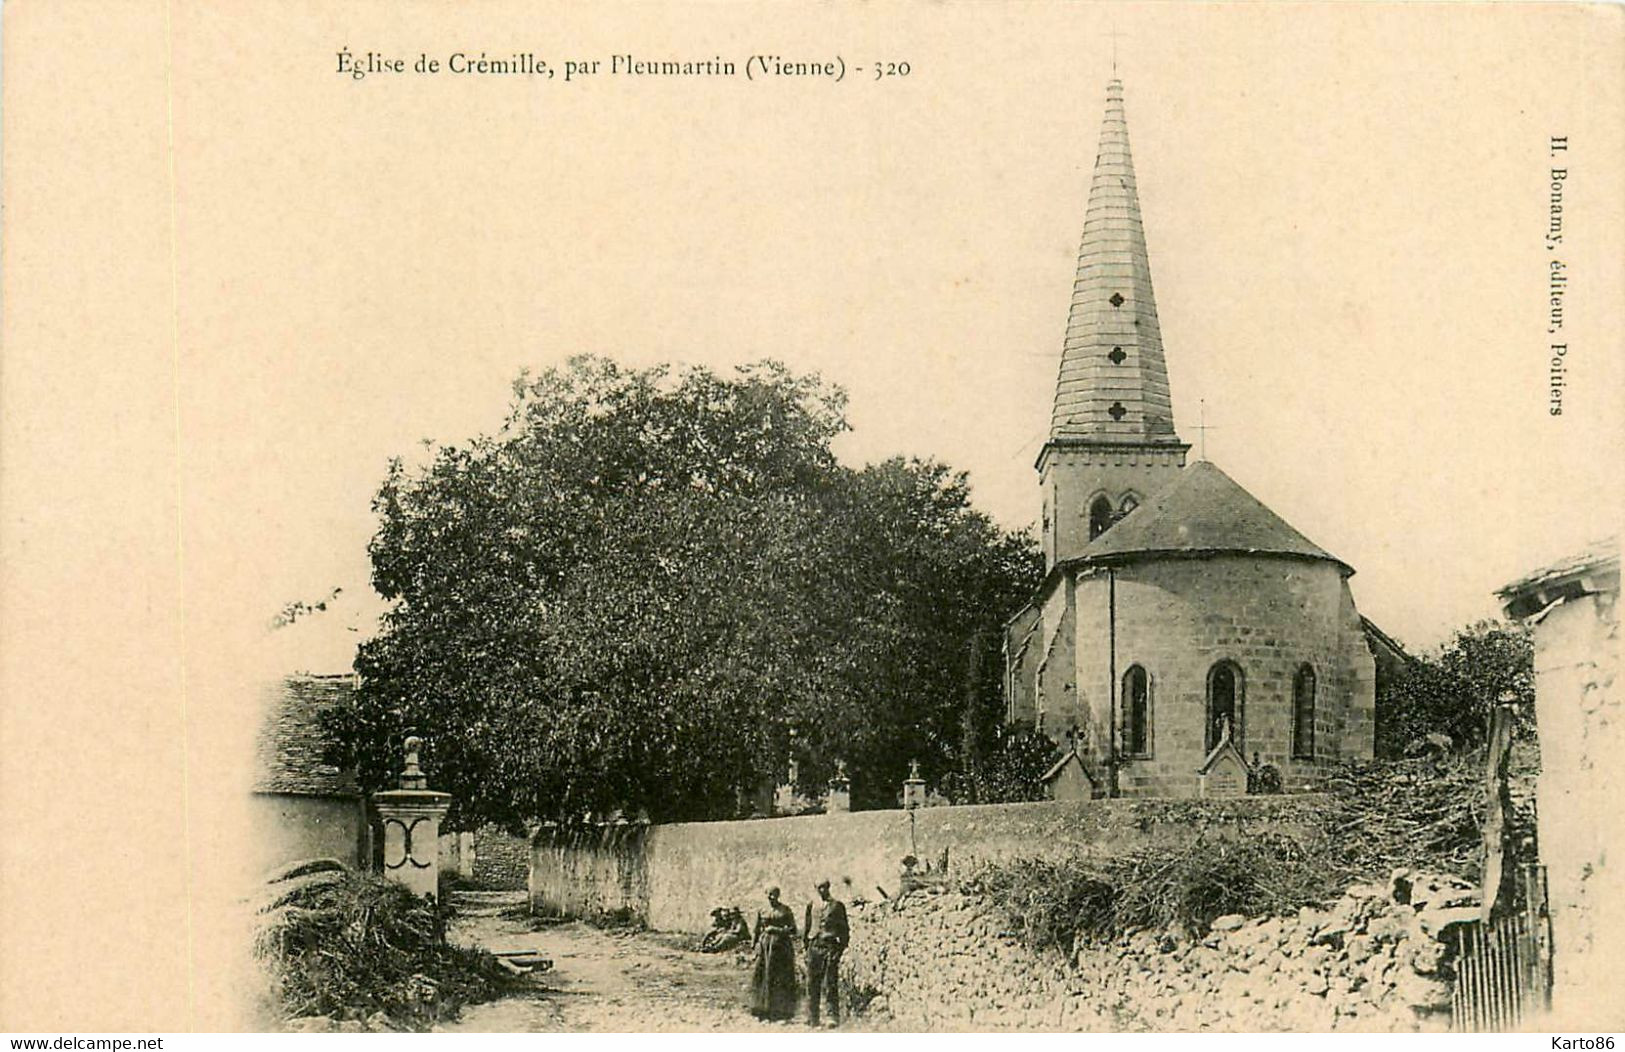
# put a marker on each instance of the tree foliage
(1004, 767)
(649, 587)
(1451, 693)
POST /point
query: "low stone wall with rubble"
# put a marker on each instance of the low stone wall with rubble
(939, 960)
(1373, 961)
(674, 875)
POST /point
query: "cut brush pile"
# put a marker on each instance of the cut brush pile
(360, 952)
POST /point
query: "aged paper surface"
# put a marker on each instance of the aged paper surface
(238, 278)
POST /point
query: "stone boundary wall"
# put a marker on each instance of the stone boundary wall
(489, 858)
(1374, 961)
(456, 856)
(585, 871)
(501, 860)
(673, 875)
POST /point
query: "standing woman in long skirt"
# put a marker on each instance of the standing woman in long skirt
(773, 971)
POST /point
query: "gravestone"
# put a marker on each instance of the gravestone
(786, 799)
(913, 787)
(1069, 779)
(839, 800)
(1224, 772)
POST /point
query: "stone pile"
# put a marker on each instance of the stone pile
(939, 960)
(1375, 960)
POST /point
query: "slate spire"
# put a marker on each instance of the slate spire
(1113, 383)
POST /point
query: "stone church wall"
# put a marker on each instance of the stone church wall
(292, 827)
(696, 866)
(1022, 653)
(1056, 679)
(589, 871)
(1178, 617)
(673, 875)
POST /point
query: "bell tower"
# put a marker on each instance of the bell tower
(1111, 439)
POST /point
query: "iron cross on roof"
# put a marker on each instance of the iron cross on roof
(1114, 35)
(1202, 429)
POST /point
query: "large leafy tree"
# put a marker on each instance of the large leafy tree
(649, 588)
(1447, 696)
(916, 585)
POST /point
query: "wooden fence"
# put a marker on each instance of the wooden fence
(1504, 968)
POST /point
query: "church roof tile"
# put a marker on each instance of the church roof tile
(1202, 512)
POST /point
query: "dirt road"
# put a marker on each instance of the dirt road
(605, 980)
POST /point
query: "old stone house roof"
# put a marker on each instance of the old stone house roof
(1596, 569)
(1387, 651)
(1377, 639)
(1202, 512)
(291, 748)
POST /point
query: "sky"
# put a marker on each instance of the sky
(1344, 212)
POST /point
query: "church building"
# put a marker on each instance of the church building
(1184, 636)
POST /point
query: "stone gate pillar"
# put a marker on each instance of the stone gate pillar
(411, 819)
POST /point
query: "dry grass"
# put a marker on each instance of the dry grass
(1055, 903)
(1424, 814)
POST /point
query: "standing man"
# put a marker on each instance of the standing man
(826, 940)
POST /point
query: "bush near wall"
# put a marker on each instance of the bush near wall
(1421, 814)
(1290, 849)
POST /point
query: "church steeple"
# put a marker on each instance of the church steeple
(1112, 442)
(1113, 381)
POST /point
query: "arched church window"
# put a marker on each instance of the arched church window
(1303, 714)
(1100, 516)
(1130, 502)
(1136, 712)
(1225, 703)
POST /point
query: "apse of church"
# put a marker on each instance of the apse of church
(1178, 609)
